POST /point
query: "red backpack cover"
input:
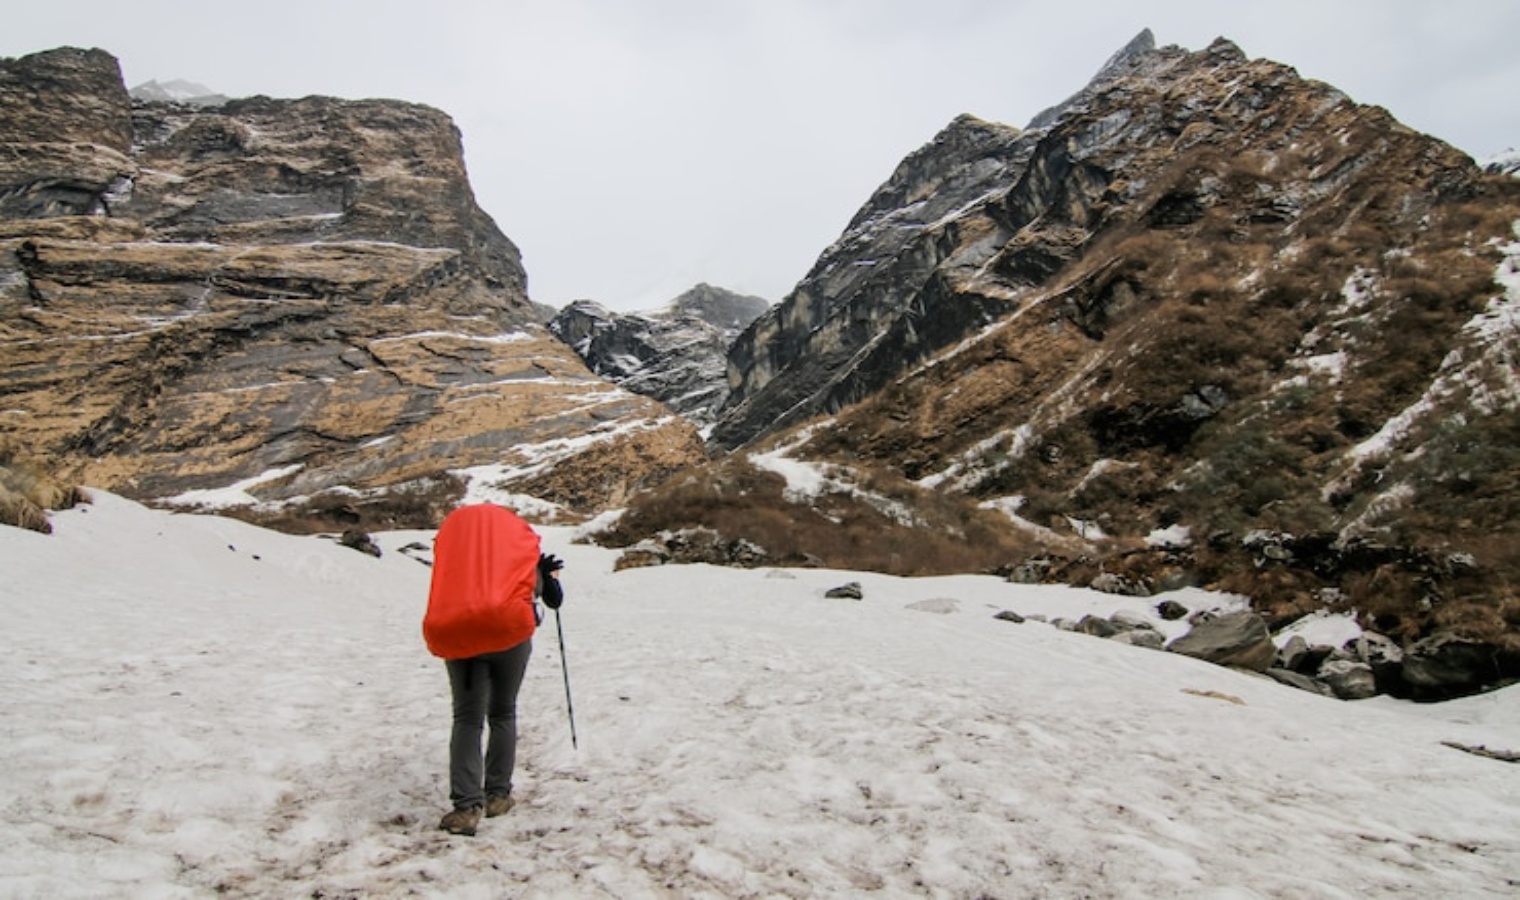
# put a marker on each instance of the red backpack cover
(485, 564)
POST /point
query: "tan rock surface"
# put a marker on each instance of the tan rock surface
(299, 297)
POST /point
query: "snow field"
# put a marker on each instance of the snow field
(185, 719)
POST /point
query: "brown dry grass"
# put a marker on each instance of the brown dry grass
(27, 493)
(949, 534)
(421, 504)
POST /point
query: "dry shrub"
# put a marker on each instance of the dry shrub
(27, 493)
(941, 534)
(420, 504)
(1489, 215)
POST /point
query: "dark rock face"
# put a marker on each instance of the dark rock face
(675, 355)
(297, 298)
(883, 296)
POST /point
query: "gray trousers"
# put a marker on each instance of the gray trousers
(485, 690)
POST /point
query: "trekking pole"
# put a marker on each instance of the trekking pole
(565, 668)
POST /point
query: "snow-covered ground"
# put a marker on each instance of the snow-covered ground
(194, 706)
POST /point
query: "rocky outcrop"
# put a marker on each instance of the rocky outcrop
(675, 355)
(292, 305)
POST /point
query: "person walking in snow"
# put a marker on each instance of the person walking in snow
(488, 573)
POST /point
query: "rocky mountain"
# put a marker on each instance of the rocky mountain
(296, 303)
(1205, 322)
(677, 355)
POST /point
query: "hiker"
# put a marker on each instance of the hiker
(488, 575)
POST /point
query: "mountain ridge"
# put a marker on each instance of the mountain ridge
(1203, 294)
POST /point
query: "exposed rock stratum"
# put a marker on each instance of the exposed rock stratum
(296, 299)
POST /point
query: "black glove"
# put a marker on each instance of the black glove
(548, 581)
(549, 563)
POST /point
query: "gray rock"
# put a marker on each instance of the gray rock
(1129, 619)
(1299, 680)
(1030, 572)
(1171, 610)
(358, 540)
(1446, 665)
(1238, 639)
(1377, 650)
(1348, 678)
(1148, 638)
(1097, 626)
(1109, 583)
(1009, 615)
(849, 591)
(1292, 653)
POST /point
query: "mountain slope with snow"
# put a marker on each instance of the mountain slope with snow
(198, 706)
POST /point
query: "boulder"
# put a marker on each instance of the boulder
(848, 591)
(1128, 619)
(1291, 654)
(1171, 610)
(1097, 626)
(355, 539)
(1148, 638)
(1238, 639)
(1445, 665)
(1299, 680)
(1348, 679)
(1386, 659)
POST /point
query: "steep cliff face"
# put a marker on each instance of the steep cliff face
(676, 355)
(1205, 322)
(908, 276)
(262, 171)
(297, 298)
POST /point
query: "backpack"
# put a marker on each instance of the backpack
(485, 566)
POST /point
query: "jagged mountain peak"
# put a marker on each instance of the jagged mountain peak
(675, 354)
(1138, 46)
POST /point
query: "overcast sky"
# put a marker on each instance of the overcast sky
(633, 149)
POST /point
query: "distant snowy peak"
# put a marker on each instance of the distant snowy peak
(177, 91)
(1505, 163)
(677, 354)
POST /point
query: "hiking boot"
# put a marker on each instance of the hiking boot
(461, 821)
(498, 806)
